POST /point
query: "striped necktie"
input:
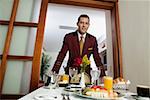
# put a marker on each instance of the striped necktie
(81, 44)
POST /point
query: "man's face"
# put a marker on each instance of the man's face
(83, 25)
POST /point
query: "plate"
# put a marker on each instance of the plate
(63, 85)
(73, 88)
(90, 97)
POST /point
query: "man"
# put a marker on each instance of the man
(79, 43)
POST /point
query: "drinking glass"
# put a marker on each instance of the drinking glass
(95, 76)
(65, 78)
(108, 82)
(54, 81)
(72, 72)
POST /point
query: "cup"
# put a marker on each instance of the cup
(143, 91)
(65, 78)
(108, 82)
(95, 76)
(48, 81)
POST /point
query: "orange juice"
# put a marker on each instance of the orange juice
(108, 82)
(65, 78)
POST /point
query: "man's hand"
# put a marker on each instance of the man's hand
(102, 71)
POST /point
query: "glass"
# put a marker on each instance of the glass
(65, 78)
(20, 71)
(54, 81)
(108, 82)
(5, 9)
(23, 41)
(72, 72)
(3, 33)
(95, 76)
(31, 13)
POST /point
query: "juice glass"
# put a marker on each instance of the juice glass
(65, 78)
(108, 82)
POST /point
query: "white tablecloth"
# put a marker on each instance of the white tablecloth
(57, 92)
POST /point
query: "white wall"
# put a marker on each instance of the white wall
(69, 14)
(149, 39)
(134, 21)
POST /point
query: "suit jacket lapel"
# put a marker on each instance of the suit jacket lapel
(77, 43)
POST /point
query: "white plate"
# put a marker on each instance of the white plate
(72, 89)
(74, 86)
(90, 97)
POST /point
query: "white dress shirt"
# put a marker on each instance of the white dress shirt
(79, 36)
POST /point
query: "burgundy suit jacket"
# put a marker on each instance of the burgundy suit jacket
(71, 44)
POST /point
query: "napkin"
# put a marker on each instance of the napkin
(44, 97)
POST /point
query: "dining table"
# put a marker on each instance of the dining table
(58, 93)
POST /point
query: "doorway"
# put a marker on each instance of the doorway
(55, 30)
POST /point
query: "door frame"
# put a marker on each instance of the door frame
(111, 5)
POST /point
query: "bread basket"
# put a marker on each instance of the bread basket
(121, 83)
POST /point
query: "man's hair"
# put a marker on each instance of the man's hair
(83, 15)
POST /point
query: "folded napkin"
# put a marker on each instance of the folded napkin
(44, 97)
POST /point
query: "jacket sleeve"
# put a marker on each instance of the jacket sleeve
(61, 56)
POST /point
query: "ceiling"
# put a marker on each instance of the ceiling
(61, 19)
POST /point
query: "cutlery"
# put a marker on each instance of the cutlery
(63, 96)
(68, 98)
(45, 97)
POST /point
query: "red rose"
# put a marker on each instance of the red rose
(77, 62)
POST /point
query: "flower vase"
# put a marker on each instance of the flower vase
(82, 81)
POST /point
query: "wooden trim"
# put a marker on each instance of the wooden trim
(14, 57)
(119, 40)
(11, 96)
(7, 43)
(108, 0)
(41, 83)
(26, 58)
(85, 3)
(28, 24)
(38, 47)
(116, 42)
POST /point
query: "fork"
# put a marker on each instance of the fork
(63, 96)
(68, 98)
